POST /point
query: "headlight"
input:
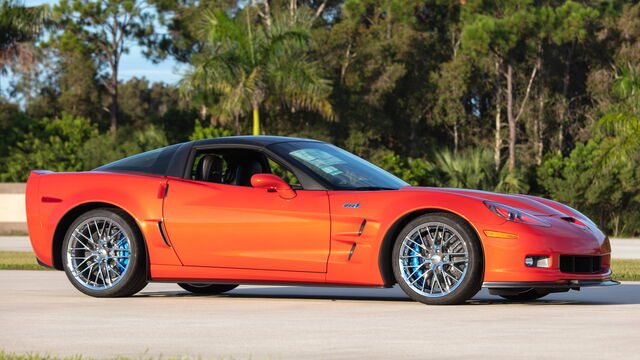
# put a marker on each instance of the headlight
(511, 214)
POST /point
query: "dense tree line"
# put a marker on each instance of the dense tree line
(540, 97)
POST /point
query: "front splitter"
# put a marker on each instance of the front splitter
(568, 284)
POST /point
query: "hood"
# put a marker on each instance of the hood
(530, 204)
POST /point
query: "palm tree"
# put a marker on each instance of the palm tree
(621, 124)
(246, 66)
(19, 25)
(475, 169)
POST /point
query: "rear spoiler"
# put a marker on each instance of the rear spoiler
(41, 172)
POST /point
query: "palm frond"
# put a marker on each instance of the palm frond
(19, 27)
(296, 83)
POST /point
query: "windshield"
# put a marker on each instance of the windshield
(341, 169)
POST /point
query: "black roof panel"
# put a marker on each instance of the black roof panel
(260, 140)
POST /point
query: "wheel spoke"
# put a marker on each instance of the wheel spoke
(465, 260)
(415, 271)
(80, 264)
(115, 269)
(433, 283)
(113, 237)
(107, 268)
(84, 236)
(420, 245)
(87, 268)
(424, 280)
(444, 279)
(411, 256)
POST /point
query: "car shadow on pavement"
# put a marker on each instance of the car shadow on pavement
(625, 294)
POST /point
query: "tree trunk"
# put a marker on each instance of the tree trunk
(560, 137)
(455, 137)
(114, 102)
(498, 134)
(115, 62)
(511, 119)
(256, 121)
(345, 64)
(537, 128)
(565, 92)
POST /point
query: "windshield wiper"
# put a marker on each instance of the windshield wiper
(373, 188)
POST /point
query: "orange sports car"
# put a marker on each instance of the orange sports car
(212, 214)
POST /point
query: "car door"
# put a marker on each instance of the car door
(220, 225)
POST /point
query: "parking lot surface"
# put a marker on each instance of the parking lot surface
(41, 312)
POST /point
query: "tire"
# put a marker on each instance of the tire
(103, 254)
(430, 246)
(528, 295)
(208, 289)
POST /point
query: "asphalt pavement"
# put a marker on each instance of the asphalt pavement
(41, 312)
(622, 248)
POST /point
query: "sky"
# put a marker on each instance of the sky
(134, 64)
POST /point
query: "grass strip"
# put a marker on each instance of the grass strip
(626, 269)
(19, 260)
(33, 356)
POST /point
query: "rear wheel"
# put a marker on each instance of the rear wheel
(437, 260)
(528, 295)
(209, 289)
(103, 254)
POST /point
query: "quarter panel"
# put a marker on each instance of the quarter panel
(138, 195)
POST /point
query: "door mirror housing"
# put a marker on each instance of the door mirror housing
(273, 183)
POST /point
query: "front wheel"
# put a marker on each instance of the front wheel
(437, 260)
(208, 289)
(103, 254)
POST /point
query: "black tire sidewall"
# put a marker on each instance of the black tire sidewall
(135, 278)
(472, 282)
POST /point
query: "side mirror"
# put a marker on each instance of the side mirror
(273, 183)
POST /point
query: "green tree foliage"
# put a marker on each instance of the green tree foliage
(51, 144)
(538, 97)
(611, 198)
(104, 27)
(515, 33)
(14, 125)
(622, 122)
(103, 149)
(208, 132)
(246, 66)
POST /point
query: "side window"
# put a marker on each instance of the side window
(285, 174)
(209, 167)
(236, 167)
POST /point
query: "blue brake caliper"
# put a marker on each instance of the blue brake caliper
(122, 244)
(415, 262)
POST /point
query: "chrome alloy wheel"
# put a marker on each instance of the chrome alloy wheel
(98, 253)
(433, 259)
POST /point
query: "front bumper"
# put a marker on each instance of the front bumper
(505, 258)
(560, 284)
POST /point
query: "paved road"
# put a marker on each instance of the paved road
(15, 243)
(622, 248)
(42, 312)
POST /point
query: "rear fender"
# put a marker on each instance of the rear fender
(62, 194)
